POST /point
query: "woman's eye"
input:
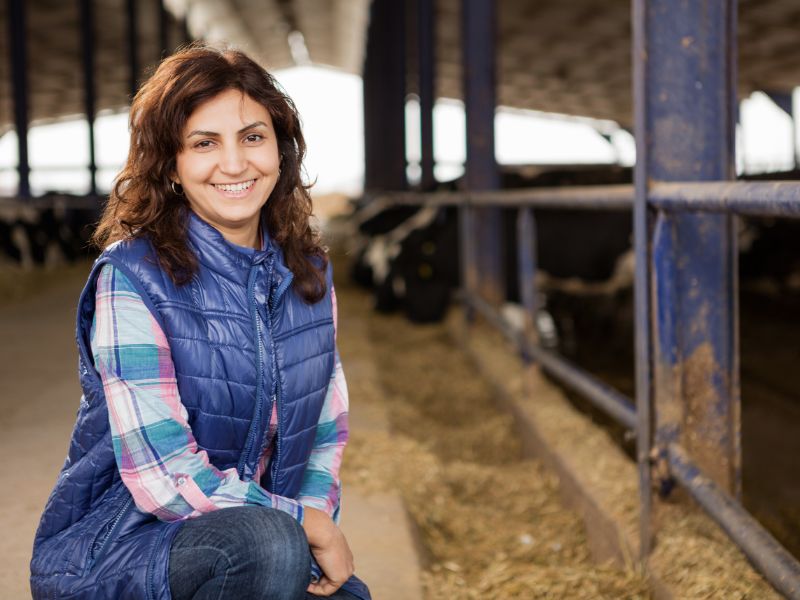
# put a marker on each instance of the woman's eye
(203, 144)
(254, 137)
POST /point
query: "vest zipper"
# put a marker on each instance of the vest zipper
(287, 280)
(276, 382)
(99, 545)
(150, 582)
(251, 434)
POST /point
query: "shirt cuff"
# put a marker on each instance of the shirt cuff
(192, 493)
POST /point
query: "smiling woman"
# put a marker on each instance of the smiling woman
(229, 164)
(214, 409)
(221, 93)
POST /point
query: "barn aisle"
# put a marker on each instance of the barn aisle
(439, 501)
(39, 396)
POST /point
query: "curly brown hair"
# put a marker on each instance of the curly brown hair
(143, 203)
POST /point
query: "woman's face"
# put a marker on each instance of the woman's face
(228, 165)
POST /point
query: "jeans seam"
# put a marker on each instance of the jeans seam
(222, 587)
(214, 548)
(219, 551)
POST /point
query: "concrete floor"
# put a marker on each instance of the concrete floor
(39, 395)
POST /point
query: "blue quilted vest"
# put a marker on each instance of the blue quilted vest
(93, 542)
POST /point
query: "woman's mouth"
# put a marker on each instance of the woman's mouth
(234, 190)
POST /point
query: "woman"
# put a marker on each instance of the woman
(204, 460)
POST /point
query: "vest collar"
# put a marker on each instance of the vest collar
(218, 254)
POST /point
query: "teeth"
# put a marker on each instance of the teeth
(235, 187)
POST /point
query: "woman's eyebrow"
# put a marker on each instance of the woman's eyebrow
(252, 126)
(215, 134)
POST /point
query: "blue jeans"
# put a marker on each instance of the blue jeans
(244, 552)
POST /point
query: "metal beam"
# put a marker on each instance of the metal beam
(481, 228)
(585, 197)
(426, 37)
(784, 101)
(756, 198)
(17, 34)
(616, 405)
(684, 86)
(384, 98)
(185, 33)
(751, 198)
(133, 46)
(163, 30)
(527, 265)
(89, 92)
(369, 77)
(369, 125)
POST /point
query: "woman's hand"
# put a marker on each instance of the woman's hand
(330, 549)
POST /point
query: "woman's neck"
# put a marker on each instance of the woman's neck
(250, 238)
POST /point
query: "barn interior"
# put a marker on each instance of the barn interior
(64, 61)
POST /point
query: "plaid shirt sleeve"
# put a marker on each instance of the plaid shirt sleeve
(321, 487)
(157, 456)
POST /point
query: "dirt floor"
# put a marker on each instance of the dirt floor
(39, 394)
(489, 523)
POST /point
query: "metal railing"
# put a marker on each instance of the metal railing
(777, 199)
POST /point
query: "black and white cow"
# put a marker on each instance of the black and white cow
(49, 229)
(410, 255)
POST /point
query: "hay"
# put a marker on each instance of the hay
(491, 522)
(694, 555)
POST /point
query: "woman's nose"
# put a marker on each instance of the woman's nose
(232, 160)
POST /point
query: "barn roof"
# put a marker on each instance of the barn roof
(567, 57)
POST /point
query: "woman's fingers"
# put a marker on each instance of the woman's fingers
(323, 587)
(335, 559)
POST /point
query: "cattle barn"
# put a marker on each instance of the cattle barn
(663, 298)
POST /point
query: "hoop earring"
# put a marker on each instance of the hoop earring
(177, 188)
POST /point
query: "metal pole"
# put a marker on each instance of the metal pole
(754, 198)
(163, 29)
(526, 267)
(17, 34)
(603, 396)
(684, 74)
(784, 101)
(427, 63)
(384, 98)
(392, 90)
(133, 47)
(370, 81)
(87, 39)
(481, 227)
(642, 308)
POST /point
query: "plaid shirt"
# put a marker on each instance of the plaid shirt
(157, 456)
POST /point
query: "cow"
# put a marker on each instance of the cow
(47, 230)
(409, 256)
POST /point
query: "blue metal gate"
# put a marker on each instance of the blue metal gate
(686, 414)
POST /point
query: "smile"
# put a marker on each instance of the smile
(235, 188)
